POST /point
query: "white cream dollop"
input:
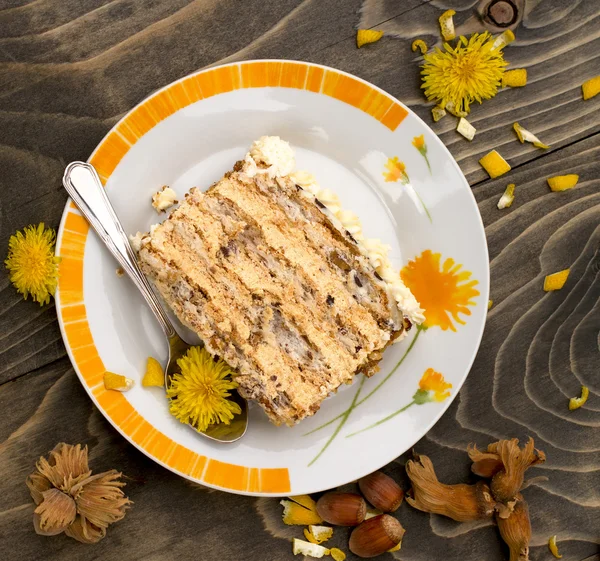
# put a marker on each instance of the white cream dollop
(330, 200)
(351, 223)
(307, 181)
(377, 252)
(164, 199)
(136, 241)
(274, 152)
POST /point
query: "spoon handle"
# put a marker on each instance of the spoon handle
(83, 185)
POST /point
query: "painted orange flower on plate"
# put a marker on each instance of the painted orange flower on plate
(419, 142)
(443, 290)
(396, 170)
(433, 381)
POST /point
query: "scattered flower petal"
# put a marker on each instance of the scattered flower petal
(337, 554)
(447, 25)
(321, 533)
(524, 135)
(494, 164)
(117, 382)
(556, 281)
(553, 547)
(306, 501)
(591, 88)
(154, 375)
(503, 39)
(515, 78)
(309, 536)
(300, 547)
(490, 304)
(366, 36)
(466, 129)
(508, 197)
(297, 515)
(419, 44)
(562, 182)
(458, 76)
(32, 265)
(577, 402)
(438, 113)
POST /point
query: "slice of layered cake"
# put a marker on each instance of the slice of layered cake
(277, 280)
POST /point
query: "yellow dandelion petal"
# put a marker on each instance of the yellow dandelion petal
(31, 262)
(591, 88)
(419, 44)
(366, 36)
(433, 381)
(396, 169)
(471, 71)
(198, 395)
(447, 25)
(516, 78)
(443, 292)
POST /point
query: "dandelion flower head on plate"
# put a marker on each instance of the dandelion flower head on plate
(199, 394)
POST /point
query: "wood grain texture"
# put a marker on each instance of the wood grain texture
(70, 68)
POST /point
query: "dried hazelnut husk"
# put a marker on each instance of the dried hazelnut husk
(516, 530)
(381, 491)
(460, 502)
(376, 536)
(485, 464)
(342, 509)
(70, 499)
(507, 482)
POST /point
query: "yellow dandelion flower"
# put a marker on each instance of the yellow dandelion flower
(32, 264)
(471, 71)
(433, 381)
(396, 170)
(443, 292)
(198, 395)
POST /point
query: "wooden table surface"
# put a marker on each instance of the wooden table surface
(69, 69)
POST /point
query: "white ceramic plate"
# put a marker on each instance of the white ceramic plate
(358, 141)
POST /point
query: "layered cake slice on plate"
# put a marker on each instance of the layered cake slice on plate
(277, 280)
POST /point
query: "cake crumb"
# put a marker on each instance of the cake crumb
(120, 272)
(164, 199)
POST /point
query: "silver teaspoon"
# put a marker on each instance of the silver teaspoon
(83, 185)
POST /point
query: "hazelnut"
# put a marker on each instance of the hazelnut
(376, 536)
(381, 491)
(342, 509)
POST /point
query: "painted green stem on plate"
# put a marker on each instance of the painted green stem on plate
(344, 416)
(375, 389)
(426, 209)
(383, 420)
